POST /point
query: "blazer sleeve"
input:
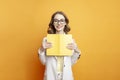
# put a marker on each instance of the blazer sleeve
(42, 53)
(76, 54)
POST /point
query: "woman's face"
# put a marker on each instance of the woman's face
(59, 22)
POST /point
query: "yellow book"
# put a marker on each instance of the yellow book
(59, 44)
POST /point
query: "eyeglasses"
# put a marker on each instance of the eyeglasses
(57, 21)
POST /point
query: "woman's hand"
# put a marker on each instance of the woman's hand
(72, 46)
(47, 45)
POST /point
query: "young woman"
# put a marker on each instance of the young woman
(58, 68)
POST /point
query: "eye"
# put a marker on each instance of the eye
(62, 20)
(55, 20)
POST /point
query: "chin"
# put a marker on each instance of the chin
(59, 30)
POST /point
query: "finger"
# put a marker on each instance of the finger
(49, 43)
(70, 43)
(69, 47)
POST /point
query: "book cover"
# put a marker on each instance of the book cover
(59, 44)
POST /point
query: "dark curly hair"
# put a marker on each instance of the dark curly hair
(52, 30)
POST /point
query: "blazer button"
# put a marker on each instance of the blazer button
(64, 65)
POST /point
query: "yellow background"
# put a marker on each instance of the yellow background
(95, 25)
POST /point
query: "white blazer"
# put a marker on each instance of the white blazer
(50, 63)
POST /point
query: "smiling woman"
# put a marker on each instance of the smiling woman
(95, 25)
(59, 21)
(58, 67)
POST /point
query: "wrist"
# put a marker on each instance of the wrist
(42, 48)
(76, 50)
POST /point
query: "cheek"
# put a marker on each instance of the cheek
(64, 24)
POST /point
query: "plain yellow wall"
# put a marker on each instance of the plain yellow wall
(95, 25)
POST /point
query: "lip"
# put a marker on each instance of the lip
(58, 27)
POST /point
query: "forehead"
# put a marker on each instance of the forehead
(59, 16)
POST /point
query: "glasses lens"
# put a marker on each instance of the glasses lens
(57, 21)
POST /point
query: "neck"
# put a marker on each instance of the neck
(60, 32)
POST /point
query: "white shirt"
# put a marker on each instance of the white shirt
(50, 62)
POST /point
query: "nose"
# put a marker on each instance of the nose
(58, 22)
